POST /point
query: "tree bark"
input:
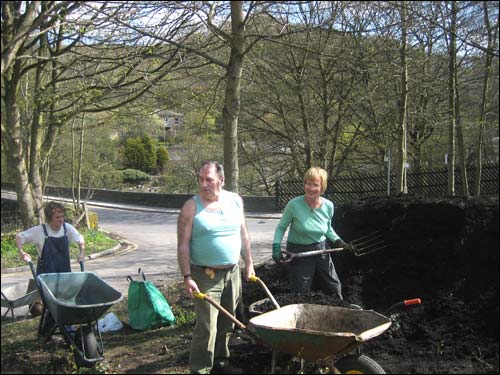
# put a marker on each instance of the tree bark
(460, 142)
(15, 155)
(452, 57)
(402, 142)
(482, 119)
(233, 93)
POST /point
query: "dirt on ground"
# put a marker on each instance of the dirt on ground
(442, 251)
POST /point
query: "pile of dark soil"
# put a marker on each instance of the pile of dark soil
(442, 251)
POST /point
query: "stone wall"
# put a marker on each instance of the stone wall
(174, 201)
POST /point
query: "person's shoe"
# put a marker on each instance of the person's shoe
(226, 369)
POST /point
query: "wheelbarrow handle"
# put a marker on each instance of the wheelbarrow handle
(203, 296)
(32, 267)
(405, 303)
(414, 301)
(255, 279)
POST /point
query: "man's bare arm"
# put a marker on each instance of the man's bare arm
(184, 231)
(245, 243)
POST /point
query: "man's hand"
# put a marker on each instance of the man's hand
(190, 286)
(249, 271)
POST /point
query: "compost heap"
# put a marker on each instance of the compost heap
(442, 251)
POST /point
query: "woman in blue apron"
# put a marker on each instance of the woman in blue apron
(52, 241)
(55, 254)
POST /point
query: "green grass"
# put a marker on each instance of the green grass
(95, 242)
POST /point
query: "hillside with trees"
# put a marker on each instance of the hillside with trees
(269, 88)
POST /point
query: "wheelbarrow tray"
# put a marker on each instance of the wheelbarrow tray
(317, 332)
(17, 296)
(77, 297)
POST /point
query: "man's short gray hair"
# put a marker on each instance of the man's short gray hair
(219, 168)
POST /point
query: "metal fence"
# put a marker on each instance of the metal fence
(10, 221)
(426, 182)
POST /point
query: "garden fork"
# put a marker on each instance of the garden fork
(361, 246)
(368, 244)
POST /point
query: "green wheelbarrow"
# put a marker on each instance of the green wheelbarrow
(75, 300)
(318, 333)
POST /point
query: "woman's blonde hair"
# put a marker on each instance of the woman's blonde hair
(314, 173)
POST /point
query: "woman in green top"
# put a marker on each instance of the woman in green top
(310, 219)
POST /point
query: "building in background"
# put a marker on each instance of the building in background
(172, 121)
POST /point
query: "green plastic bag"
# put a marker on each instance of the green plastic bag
(147, 307)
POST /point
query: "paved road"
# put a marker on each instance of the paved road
(156, 239)
(153, 232)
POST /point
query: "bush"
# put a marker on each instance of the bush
(135, 176)
(162, 158)
(108, 179)
(140, 153)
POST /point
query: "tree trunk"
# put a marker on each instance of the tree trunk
(460, 143)
(36, 136)
(482, 119)
(15, 150)
(232, 98)
(80, 162)
(402, 154)
(451, 100)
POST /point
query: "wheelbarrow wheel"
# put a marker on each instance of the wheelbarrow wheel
(358, 364)
(90, 347)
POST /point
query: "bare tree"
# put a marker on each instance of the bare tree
(302, 93)
(18, 45)
(53, 62)
(452, 98)
(21, 19)
(402, 104)
(492, 37)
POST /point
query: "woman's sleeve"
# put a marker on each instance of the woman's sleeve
(330, 233)
(285, 220)
(73, 234)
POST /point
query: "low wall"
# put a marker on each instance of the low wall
(175, 201)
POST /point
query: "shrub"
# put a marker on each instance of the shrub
(140, 153)
(108, 179)
(134, 154)
(135, 176)
(162, 158)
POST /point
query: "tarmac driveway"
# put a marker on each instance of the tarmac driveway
(153, 248)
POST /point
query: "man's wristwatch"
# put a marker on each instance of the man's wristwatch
(188, 276)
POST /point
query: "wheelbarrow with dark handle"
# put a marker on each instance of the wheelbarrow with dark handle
(319, 333)
(75, 299)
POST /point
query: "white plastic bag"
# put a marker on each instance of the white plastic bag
(110, 322)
